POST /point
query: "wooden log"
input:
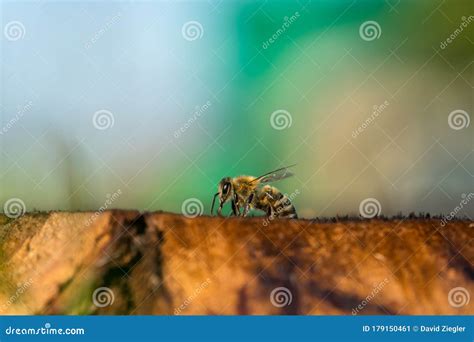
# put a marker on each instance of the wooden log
(126, 262)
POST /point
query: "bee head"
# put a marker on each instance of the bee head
(225, 189)
(224, 192)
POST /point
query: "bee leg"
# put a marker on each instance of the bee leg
(271, 212)
(270, 209)
(237, 206)
(269, 195)
(234, 209)
(219, 209)
(247, 206)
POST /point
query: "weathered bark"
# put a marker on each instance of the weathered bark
(158, 263)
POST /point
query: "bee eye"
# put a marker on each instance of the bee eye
(225, 189)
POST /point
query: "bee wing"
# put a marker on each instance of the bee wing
(275, 175)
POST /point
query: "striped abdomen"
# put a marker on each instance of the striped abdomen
(274, 203)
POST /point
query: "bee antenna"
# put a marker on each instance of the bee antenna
(213, 202)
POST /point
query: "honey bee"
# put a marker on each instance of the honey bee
(248, 192)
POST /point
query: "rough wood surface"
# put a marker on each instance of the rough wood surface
(126, 262)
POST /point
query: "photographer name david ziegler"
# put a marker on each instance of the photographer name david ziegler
(442, 328)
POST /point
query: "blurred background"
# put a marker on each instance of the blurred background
(148, 104)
